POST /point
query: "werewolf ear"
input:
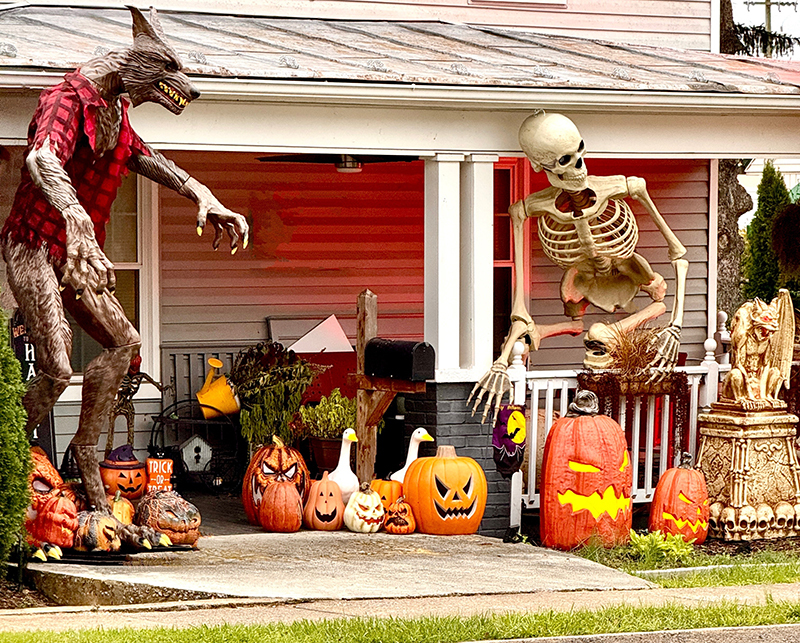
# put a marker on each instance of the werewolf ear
(142, 28)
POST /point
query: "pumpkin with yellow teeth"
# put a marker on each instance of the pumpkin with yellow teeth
(680, 503)
(586, 479)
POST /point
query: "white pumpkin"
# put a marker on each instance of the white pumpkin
(364, 512)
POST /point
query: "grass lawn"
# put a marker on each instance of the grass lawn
(446, 629)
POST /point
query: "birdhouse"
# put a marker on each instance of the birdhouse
(196, 453)
(400, 360)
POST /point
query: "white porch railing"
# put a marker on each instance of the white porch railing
(547, 396)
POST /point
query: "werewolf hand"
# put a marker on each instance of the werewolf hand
(87, 266)
(223, 219)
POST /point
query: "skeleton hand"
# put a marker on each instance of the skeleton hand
(494, 384)
(666, 342)
(86, 265)
(223, 219)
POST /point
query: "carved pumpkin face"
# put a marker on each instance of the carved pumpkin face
(55, 522)
(129, 480)
(586, 483)
(43, 480)
(364, 512)
(388, 490)
(399, 518)
(324, 509)
(97, 532)
(447, 493)
(171, 514)
(272, 464)
(680, 504)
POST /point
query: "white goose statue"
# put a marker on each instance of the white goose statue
(419, 435)
(343, 475)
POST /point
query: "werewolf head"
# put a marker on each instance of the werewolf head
(152, 70)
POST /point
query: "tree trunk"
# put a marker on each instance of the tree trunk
(734, 201)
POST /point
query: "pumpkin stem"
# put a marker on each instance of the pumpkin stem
(277, 442)
(117, 496)
(585, 403)
(686, 461)
(446, 451)
(365, 487)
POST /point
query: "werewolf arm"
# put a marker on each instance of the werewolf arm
(86, 264)
(161, 170)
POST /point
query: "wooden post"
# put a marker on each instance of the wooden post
(367, 328)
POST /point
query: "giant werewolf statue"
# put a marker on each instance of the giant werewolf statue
(80, 144)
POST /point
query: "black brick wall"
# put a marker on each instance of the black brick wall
(443, 411)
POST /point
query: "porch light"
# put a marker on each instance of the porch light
(348, 165)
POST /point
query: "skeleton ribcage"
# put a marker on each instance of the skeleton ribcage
(613, 234)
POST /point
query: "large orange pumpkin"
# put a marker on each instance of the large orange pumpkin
(324, 508)
(44, 479)
(447, 493)
(586, 479)
(272, 464)
(680, 503)
(55, 523)
(281, 508)
(388, 490)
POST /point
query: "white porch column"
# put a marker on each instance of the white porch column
(442, 259)
(477, 252)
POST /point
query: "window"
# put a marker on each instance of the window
(122, 248)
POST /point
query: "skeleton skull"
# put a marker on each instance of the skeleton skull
(765, 518)
(715, 518)
(747, 522)
(728, 521)
(784, 517)
(553, 143)
(797, 517)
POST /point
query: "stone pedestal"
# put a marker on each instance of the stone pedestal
(749, 462)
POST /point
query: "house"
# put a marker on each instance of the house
(440, 90)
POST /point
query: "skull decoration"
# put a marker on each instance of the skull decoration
(271, 464)
(784, 518)
(765, 517)
(364, 512)
(715, 519)
(747, 522)
(447, 493)
(586, 479)
(553, 143)
(728, 522)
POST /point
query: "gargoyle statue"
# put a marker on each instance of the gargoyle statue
(80, 145)
(588, 230)
(762, 341)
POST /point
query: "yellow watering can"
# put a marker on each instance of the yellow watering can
(216, 396)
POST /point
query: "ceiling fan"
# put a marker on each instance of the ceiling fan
(345, 163)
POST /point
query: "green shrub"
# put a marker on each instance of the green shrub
(655, 549)
(330, 417)
(15, 456)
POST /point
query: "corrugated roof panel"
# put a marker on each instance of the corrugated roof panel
(387, 51)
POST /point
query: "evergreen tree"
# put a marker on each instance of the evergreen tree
(761, 271)
(15, 457)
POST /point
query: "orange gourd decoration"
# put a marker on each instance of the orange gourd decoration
(324, 508)
(55, 523)
(586, 479)
(122, 472)
(281, 508)
(399, 518)
(271, 464)
(388, 490)
(446, 493)
(680, 503)
(121, 508)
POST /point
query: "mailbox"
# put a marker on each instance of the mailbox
(400, 360)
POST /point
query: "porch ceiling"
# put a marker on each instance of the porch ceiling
(42, 39)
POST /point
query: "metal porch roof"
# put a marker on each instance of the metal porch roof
(420, 53)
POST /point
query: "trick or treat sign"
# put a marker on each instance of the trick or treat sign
(159, 474)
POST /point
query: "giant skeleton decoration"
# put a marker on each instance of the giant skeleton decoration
(80, 144)
(588, 230)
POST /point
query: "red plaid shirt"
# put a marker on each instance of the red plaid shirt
(66, 114)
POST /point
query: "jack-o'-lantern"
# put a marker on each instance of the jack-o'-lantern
(169, 513)
(399, 518)
(281, 508)
(273, 463)
(680, 503)
(97, 532)
(122, 472)
(447, 493)
(324, 508)
(586, 479)
(364, 512)
(388, 490)
(55, 522)
(43, 480)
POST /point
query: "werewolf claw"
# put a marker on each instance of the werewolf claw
(199, 230)
(234, 249)
(78, 293)
(146, 543)
(164, 541)
(40, 555)
(245, 241)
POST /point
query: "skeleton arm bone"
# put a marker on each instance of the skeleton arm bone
(161, 170)
(86, 264)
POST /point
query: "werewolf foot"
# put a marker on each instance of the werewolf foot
(143, 537)
(46, 550)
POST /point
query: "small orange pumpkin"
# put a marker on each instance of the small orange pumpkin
(399, 518)
(680, 503)
(121, 508)
(324, 508)
(281, 508)
(388, 490)
(447, 493)
(272, 464)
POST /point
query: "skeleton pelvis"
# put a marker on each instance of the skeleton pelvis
(609, 290)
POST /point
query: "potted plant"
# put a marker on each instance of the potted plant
(270, 381)
(323, 424)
